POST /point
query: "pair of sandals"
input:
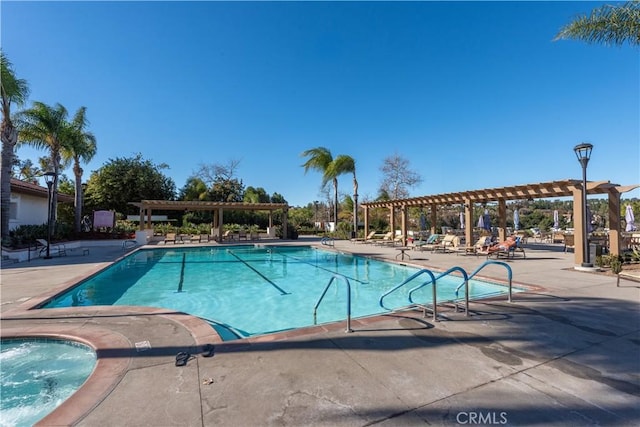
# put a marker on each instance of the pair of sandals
(183, 357)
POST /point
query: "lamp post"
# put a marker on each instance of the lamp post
(50, 178)
(583, 153)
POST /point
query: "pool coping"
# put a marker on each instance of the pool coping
(110, 371)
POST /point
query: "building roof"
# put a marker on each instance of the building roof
(24, 187)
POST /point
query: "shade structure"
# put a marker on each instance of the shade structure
(556, 220)
(461, 220)
(630, 219)
(516, 219)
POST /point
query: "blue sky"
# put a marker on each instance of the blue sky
(475, 94)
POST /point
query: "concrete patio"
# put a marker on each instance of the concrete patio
(566, 353)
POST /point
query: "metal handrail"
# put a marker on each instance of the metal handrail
(434, 291)
(328, 241)
(509, 275)
(407, 280)
(315, 309)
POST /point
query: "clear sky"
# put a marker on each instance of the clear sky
(475, 94)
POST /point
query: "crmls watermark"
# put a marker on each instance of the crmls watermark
(479, 417)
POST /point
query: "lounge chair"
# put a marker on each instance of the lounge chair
(448, 243)
(505, 247)
(377, 238)
(203, 238)
(480, 247)
(388, 238)
(170, 237)
(397, 240)
(228, 235)
(242, 234)
(428, 245)
(58, 248)
(364, 239)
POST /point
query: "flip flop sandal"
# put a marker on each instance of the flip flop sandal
(182, 358)
(207, 350)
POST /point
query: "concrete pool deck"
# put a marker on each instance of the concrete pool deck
(567, 353)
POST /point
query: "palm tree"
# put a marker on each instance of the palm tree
(43, 126)
(320, 159)
(607, 24)
(14, 91)
(341, 165)
(78, 145)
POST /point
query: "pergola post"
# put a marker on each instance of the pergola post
(220, 224)
(502, 220)
(403, 224)
(468, 222)
(141, 224)
(365, 210)
(392, 220)
(578, 225)
(284, 223)
(434, 217)
(614, 222)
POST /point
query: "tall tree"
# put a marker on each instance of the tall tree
(397, 177)
(608, 24)
(124, 180)
(79, 145)
(45, 127)
(346, 164)
(194, 189)
(27, 171)
(321, 160)
(13, 91)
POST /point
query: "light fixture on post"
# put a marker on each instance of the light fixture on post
(49, 178)
(583, 153)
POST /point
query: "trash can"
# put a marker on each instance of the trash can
(595, 250)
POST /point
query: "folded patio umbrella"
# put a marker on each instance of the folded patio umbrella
(556, 221)
(629, 218)
(516, 219)
(461, 220)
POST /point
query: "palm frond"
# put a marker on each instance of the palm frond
(609, 25)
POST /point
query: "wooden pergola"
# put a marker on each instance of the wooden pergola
(217, 208)
(566, 188)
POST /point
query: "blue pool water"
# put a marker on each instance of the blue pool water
(37, 375)
(251, 290)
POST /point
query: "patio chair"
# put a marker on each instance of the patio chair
(364, 239)
(397, 240)
(503, 248)
(449, 242)
(380, 240)
(58, 248)
(569, 242)
(428, 245)
(170, 237)
(479, 247)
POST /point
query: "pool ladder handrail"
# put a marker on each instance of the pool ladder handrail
(315, 309)
(404, 282)
(489, 262)
(434, 308)
(327, 241)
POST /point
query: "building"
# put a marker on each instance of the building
(29, 203)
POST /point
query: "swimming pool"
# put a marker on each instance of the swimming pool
(38, 375)
(252, 290)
